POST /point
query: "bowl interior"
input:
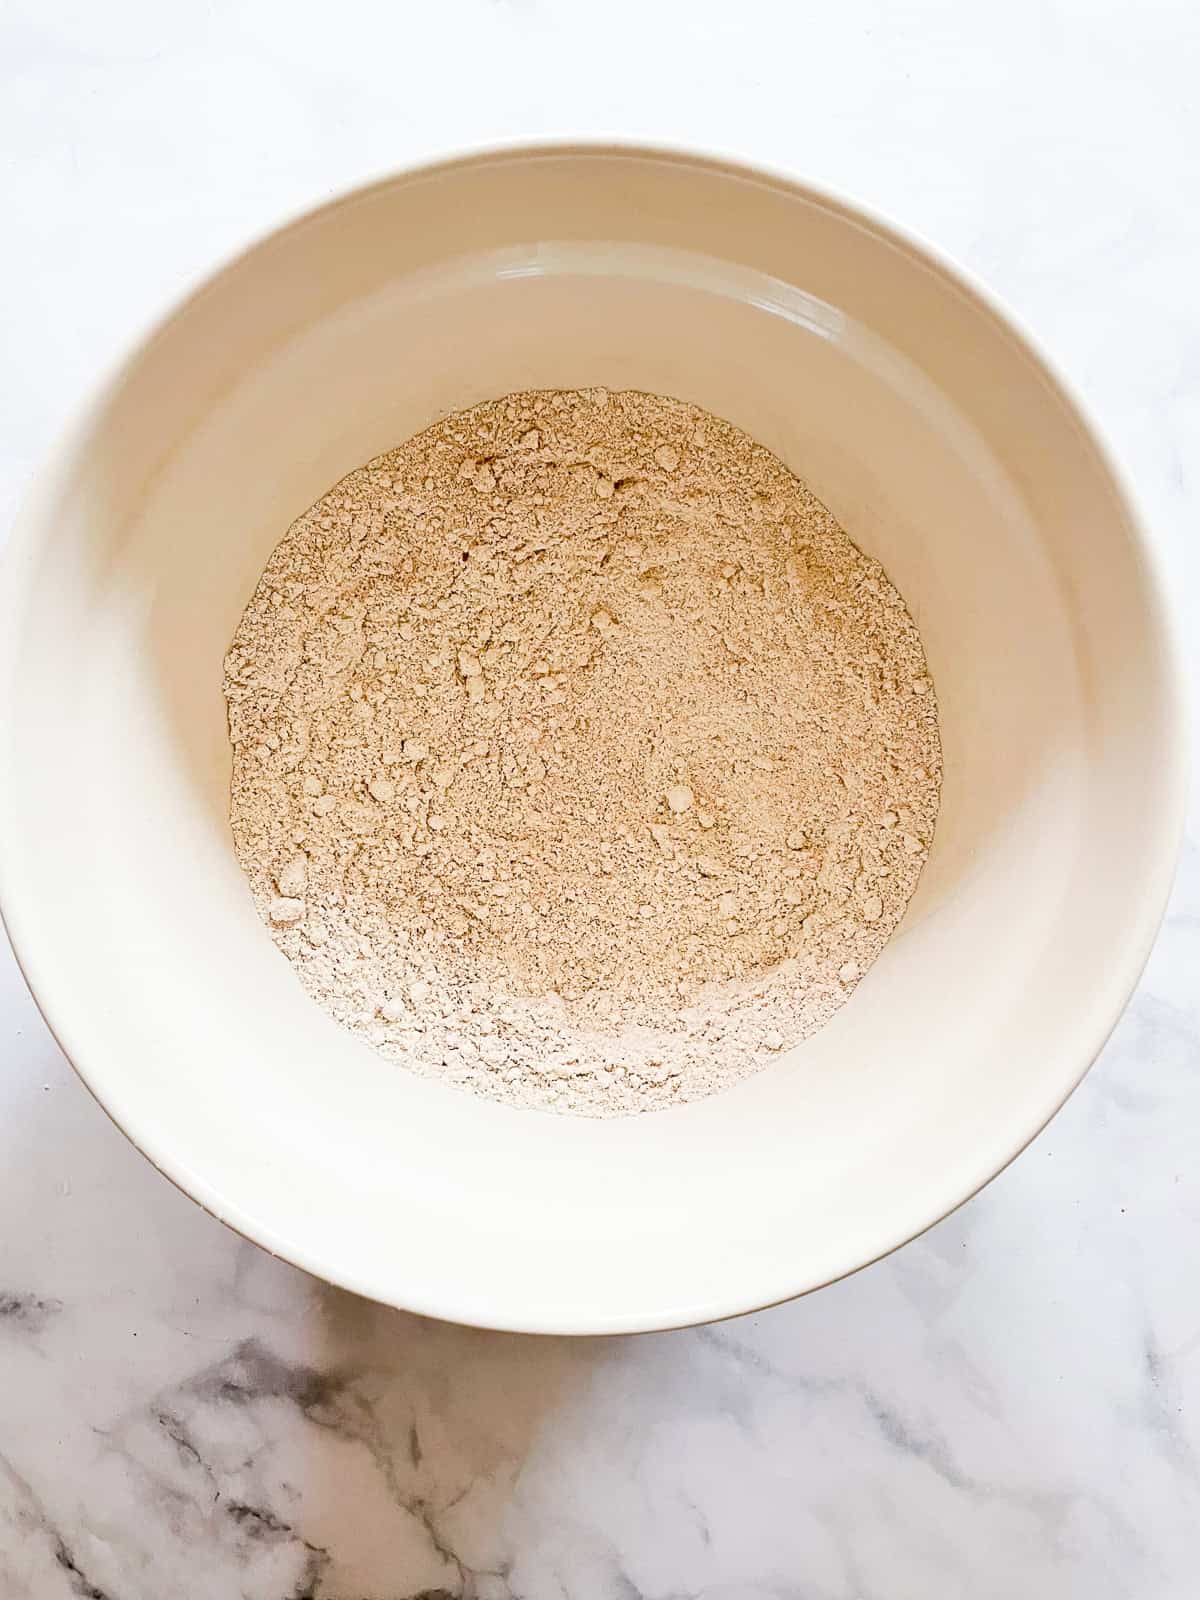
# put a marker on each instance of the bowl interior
(945, 451)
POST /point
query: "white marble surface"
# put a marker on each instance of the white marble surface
(1010, 1406)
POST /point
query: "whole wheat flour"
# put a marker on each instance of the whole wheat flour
(579, 756)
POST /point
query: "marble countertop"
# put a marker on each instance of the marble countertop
(1009, 1406)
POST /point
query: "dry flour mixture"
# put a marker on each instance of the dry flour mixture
(579, 757)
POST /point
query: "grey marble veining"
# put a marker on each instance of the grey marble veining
(1009, 1406)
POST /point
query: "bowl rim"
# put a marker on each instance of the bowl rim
(1142, 926)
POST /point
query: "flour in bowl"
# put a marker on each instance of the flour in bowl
(580, 758)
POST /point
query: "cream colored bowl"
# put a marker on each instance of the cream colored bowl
(945, 447)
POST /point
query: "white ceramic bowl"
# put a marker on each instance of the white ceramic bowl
(946, 448)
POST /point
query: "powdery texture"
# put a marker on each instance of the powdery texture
(579, 756)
